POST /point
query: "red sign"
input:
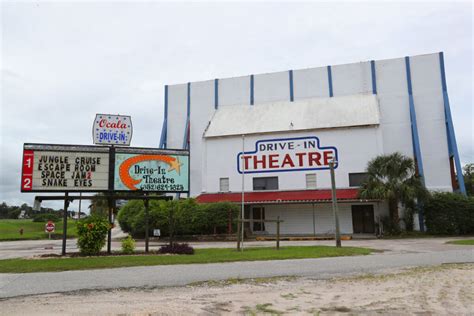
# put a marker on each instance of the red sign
(27, 170)
(49, 227)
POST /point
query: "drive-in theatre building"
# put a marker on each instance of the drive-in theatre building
(288, 126)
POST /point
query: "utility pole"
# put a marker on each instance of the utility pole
(334, 203)
(243, 194)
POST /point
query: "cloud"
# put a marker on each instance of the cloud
(64, 62)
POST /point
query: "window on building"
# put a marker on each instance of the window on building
(311, 181)
(356, 179)
(224, 184)
(265, 183)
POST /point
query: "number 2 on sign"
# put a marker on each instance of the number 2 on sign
(27, 183)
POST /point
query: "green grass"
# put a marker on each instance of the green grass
(469, 242)
(200, 256)
(9, 229)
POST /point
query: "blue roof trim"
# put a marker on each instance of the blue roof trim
(374, 77)
(292, 95)
(186, 126)
(414, 127)
(164, 130)
(452, 144)
(415, 138)
(216, 93)
(251, 89)
(331, 94)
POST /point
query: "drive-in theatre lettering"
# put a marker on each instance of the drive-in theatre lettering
(289, 154)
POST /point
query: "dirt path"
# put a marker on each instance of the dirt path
(441, 290)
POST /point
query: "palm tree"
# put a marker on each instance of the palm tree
(393, 178)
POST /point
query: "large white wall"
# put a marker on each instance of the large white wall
(355, 147)
(356, 78)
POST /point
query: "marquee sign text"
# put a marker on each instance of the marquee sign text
(289, 154)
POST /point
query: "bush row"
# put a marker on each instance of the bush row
(449, 214)
(186, 217)
(46, 217)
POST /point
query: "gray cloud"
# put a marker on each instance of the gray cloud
(64, 62)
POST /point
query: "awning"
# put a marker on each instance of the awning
(269, 197)
(301, 115)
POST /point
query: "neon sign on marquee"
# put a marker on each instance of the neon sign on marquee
(287, 154)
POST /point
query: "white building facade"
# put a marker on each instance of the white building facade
(274, 134)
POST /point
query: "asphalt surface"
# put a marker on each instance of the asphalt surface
(12, 285)
(31, 248)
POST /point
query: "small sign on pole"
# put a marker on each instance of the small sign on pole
(109, 129)
(49, 228)
(156, 232)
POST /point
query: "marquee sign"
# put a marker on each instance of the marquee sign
(152, 171)
(69, 168)
(286, 154)
(64, 168)
(111, 129)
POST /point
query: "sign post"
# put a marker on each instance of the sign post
(334, 204)
(147, 229)
(107, 169)
(49, 228)
(66, 205)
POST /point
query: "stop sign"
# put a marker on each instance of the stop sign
(49, 227)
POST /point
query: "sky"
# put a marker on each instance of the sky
(63, 62)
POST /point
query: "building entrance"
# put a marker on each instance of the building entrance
(363, 219)
(258, 216)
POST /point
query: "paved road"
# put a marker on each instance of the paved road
(12, 285)
(30, 248)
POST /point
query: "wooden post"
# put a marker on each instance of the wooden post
(278, 233)
(66, 205)
(229, 222)
(147, 229)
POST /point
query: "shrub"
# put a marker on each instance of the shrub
(186, 217)
(92, 232)
(128, 245)
(127, 213)
(46, 217)
(389, 227)
(449, 214)
(177, 248)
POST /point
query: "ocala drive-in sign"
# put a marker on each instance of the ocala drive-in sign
(288, 154)
(112, 129)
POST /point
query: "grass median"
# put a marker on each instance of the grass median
(10, 230)
(465, 242)
(201, 256)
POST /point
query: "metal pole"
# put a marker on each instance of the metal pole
(243, 190)
(278, 232)
(80, 201)
(147, 237)
(66, 204)
(239, 222)
(111, 203)
(334, 204)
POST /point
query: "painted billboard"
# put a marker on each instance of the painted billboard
(109, 129)
(64, 168)
(160, 172)
(286, 154)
